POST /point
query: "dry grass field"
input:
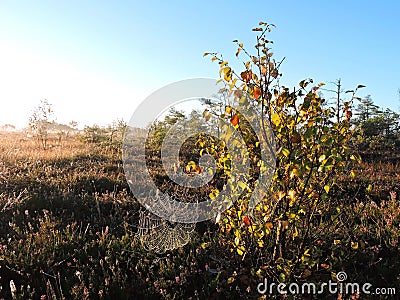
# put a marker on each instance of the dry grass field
(68, 227)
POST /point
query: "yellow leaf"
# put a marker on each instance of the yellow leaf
(232, 85)
(214, 194)
(242, 185)
(230, 280)
(191, 163)
(354, 245)
(227, 74)
(259, 273)
(294, 173)
(295, 233)
(336, 242)
(204, 245)
(227, 71)
(228, 109)
(240, 252)
(275, 119)
(285, 152)
(263, 70)
(326, 188)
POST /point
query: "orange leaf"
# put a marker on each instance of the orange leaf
(325, 266)
(246, 75)
(238, 51)
(235, 120)
(246, 221)
(257, 92)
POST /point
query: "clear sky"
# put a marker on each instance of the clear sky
(96, 60)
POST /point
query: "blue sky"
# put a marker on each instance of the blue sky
(95, 61)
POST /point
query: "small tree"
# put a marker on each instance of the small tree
(116, 131)
(40, 120)
(279, 237)
(94, 134)
(367, 109)
(159, 129)
(377, 129)
(73, 124)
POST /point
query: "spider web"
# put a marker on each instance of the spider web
(158, 235)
